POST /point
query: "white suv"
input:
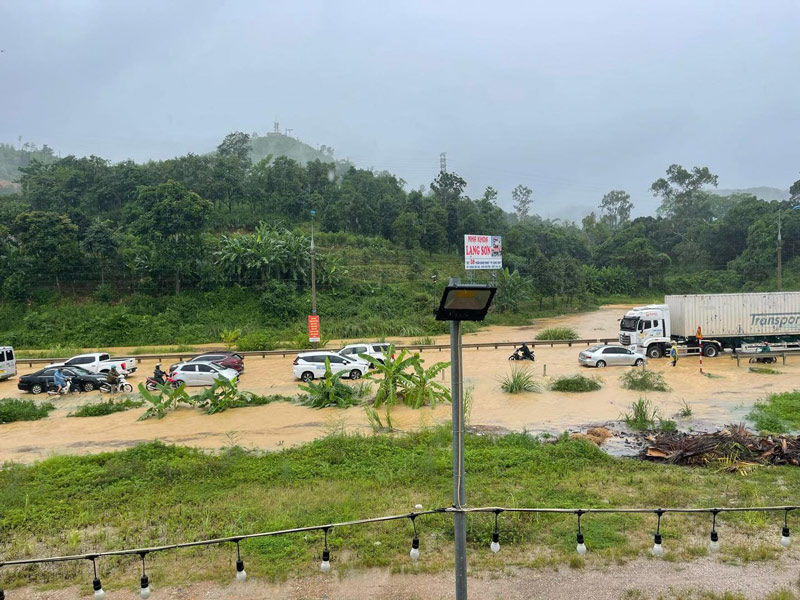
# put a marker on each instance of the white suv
(309, 365)
(377, 350)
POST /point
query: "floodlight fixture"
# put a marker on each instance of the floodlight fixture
(465, 302)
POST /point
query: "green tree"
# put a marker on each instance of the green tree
(99, 243)
(615, 208)
(172, 218)
(49, 243)
(681, 193)
(407, 231)
(522, 197)
(236, 144)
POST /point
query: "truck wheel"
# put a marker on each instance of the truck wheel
(653, 352)
(711, 350)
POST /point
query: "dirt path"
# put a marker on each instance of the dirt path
(639, 580)
(726, 398)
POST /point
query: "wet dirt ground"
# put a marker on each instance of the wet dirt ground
(724, 398)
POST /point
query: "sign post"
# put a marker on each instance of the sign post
(483, 252)
(313, 328)
(700, 339)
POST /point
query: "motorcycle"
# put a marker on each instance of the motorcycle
(152, 383)
(523, 353)
(121, 386)
(69, 387)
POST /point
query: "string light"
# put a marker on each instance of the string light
(581, 547)
(414, 554)
(658, 550)
(325, 565)
(786, 541)
(241, 574)
(713, 545)
(99, 592)
(495, 545)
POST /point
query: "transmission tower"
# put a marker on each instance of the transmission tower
(443, 162)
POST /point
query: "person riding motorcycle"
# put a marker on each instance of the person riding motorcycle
(526, 352)
(60, 380)
(113, 378)
(159, 375)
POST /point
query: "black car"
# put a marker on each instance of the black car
(39, 382)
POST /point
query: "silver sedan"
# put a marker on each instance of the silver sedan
(602, 356)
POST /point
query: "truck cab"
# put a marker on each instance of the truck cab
(646, 329)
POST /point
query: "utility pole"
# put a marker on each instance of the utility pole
(443, 162)
(313, 274)
(459, 489)
(780, 257)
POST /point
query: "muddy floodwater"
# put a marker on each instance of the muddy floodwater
(725, 397)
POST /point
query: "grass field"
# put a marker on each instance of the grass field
(157, 494)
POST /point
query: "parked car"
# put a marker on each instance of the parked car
(601, 356)
(201, 373)
(229, 360)
(310, 365)
(99, 362)
(376, 350)
(38, 382)
(8, 362)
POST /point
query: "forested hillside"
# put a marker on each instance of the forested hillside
(182, 249)
(11, 159)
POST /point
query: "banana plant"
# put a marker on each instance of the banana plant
(329, 391)
(422, 389)
(166, 399)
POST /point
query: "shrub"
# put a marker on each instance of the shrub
(255, 340)
(779, 413)
(644, 381)
(17, 409)
(765, 371)
(557, 333)
(106, 408)
(423, 341)
(576, 383)
(520, 380)
(642, 415)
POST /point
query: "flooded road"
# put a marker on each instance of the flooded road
(724, 398)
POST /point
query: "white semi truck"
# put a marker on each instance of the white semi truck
(726, 321)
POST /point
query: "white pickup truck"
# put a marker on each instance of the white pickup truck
(100, 362)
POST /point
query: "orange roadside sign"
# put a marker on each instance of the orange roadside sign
(699, 333)
(313, 328)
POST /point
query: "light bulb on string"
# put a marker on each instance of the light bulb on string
(713, 545)
(325, 565)
(99, 592)
(581, 547)
(786, 541)
(144, 583)
(495, 545)
(241, 574)
(658, 549)
(414, 554)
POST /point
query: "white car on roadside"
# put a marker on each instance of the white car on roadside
(311, 365)
(200, 373)
(608, 356)
(376, 350)
(99, 362)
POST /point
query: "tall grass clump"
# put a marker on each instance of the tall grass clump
(575, 383)
(520, 380)
(557, 333)
(765, 371)
(17, 409)
(644, 381)
(106, 408)
(779, 413)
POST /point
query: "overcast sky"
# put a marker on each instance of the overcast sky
(570, 98)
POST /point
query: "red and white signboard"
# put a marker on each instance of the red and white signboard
(313, 328)
(483, 252)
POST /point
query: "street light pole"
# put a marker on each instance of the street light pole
(313, 274)
(459, 489)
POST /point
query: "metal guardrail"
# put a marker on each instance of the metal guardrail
(751, 355)
(264, 353)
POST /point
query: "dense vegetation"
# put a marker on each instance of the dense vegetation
(157, 494)
(184, 249)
